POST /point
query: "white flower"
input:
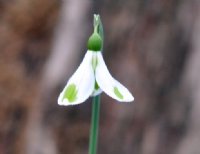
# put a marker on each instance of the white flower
(90, 79)
(92, 76)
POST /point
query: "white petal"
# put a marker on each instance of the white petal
(80, 86)
(108, 84)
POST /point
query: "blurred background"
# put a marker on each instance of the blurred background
(152, 47)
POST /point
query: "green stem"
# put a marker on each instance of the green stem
(94, 125)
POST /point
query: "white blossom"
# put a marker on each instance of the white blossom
(90, 79)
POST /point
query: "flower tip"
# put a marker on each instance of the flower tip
(128, 98)
(60, 101)
(131, 99)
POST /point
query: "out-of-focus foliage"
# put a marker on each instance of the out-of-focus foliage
(150, 46)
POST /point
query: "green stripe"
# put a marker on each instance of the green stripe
(70, 93)
(117, 93)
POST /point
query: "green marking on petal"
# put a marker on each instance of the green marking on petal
(70, 93)
(94, 62)
(117, 93)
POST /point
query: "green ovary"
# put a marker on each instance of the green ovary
(117, 93)
(70, 93)
(94, 42)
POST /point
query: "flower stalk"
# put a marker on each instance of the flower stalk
(94, 125)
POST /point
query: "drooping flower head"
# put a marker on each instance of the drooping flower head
(92, 76)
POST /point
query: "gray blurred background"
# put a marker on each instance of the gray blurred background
(152, 47)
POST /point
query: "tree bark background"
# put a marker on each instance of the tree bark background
(152, 47)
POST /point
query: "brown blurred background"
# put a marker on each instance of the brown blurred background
(152, 47)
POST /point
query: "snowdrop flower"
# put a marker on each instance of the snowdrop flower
(92, 76)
